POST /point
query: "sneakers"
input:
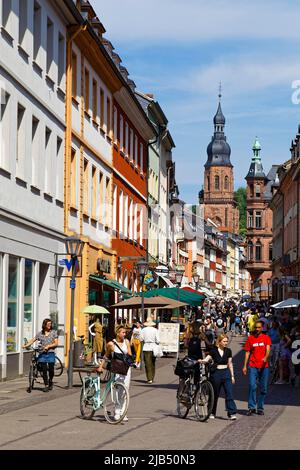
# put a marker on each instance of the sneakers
(251, 412)
(260, 412)
(125, 419)
(138, 365)
(46, 388)
(50, 386)
(150, 381)
(211, 416)
(117, 416)
(279, 382)
(232, 417)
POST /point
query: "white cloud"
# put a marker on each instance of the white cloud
(191, 20)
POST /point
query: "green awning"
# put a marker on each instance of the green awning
(111, 283)
(172, 293)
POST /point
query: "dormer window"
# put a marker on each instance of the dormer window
(217, 183)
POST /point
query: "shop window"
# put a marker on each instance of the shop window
(28, 300)
(12, 306)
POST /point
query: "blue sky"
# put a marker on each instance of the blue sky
(180, 50)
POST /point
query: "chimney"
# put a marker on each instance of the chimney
(98, 27)
(150, 95)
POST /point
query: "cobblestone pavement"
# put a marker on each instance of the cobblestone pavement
(52, 420)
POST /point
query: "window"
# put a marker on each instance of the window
(258, 251)
(217, 183)
(141, 225)
(93, 211)
(250, 219)
(226, 217)
(108, 126)
(208, 183)
(142, 158)
(35, 151)
(23, 19)
(61, 61)
(59, 169)
(251, 187)
(21, 139)
(257, 190)
(126, 216)
(108, 202)
(121, 133)
(49, 44)
(135, 222)
(115, 202)
(126, 139)
(101, 108)
(37, 21)
(73, 179)
(86, 90)
(74, 75)
(28, 330)
(131, 219)
(7, 14)
(5, 129)
(250, 251)
(121, 214)
(226, 183)
(258, 223)
(270, 252)
(131, 145)
(94, 99)
(12, 306)
(85, 186)
(136, 149)
(48, 162)
(101, 192)
(115, 125)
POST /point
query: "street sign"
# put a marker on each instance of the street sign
(169, 336)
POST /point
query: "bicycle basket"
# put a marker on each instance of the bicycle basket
(185, 366)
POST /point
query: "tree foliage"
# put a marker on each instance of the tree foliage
(241, 198)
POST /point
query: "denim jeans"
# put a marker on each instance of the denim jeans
(222, 378)
(262, 376)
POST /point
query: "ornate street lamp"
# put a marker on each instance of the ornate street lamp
(74, 248)
(142, 269)
(178, 278)
(196, 279)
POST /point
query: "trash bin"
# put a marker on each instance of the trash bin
(78, 353)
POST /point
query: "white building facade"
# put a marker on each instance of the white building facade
(32, 128)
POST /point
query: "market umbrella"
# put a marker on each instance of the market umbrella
(136, 302)
(94, 310)
(172, 303)
(287, 303)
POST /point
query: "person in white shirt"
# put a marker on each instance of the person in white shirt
(149, 336)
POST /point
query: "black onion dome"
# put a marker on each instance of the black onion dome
(219, 117)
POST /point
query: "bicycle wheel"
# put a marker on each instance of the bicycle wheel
(87, 401)
(183, 399)
(58, 367)
(204, 400)
(116, 403)
(31, 378)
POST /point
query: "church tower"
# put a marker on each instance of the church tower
(218, 196)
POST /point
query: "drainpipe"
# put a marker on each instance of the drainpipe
(68, 132)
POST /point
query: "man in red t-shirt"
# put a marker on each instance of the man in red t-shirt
(257, 348)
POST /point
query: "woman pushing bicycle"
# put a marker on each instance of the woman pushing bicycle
(119, 348)
(48, 341)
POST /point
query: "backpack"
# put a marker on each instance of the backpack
(220, 323)
(194, 347)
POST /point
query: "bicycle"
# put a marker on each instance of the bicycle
(114, 399)
(35, 372)
(201, 395)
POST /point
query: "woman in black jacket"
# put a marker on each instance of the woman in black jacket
(222, 375)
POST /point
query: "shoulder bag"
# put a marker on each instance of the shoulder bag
(120, 363)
